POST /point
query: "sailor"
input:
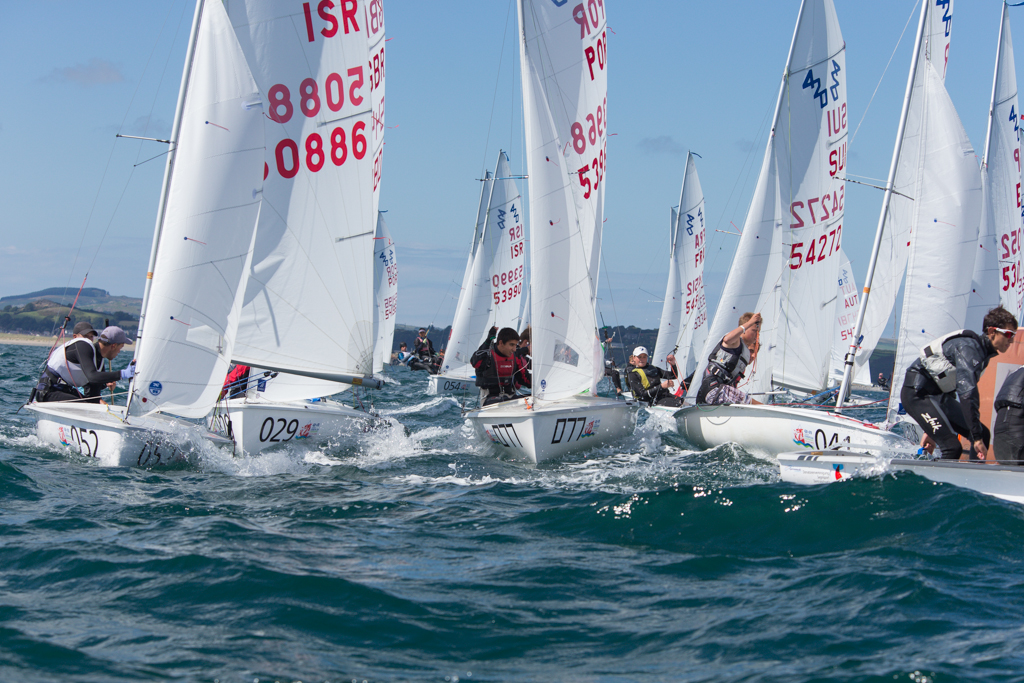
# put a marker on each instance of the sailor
(1008, 432)
(84, 330)
(236, 383)
(727, 363)
(883, 383)
(403, 357)
(77, 363)
(523, 350)
(499, 371)
(940, 390)
(649, 383)
(423, 350)
(610, 370)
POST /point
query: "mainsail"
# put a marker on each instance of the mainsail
(847, 305)
(493, 287)
(563, 53)
(309, 307)
(204, 235)
(943, 230)
(998, 278)
(684, 326)
(788, 257)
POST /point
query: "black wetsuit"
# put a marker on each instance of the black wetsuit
(945, 415)
(83, 355)
(424, 358)
(645, 383)
(1008, 432)
(613, 372)
(499, 375)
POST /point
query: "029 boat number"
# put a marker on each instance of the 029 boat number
(269, 433)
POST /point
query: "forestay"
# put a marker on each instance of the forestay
(385, 274)
(998, 278)
(203, 242)
(563, 52)
(788, 257)
(684, 325)
(309, 307)
(494, 289)
(943, 230)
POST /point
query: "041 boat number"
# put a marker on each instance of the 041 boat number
(268, 432)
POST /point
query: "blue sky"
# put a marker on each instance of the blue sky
(682, 75)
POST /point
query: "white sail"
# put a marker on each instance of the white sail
(788, 257)
(684, 326)
(847, 305)
(204, 244)
(385, 273)
(374, 10)
(943, 230)
(563, 52)
(493, 290)
(894, 247)
(309, 306)
(998, 278)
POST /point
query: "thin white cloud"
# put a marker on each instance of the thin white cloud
(96, 72)
(663, 144)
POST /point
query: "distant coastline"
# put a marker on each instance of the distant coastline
(34, 340)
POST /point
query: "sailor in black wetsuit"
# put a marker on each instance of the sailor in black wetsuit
(940, 390)
(727, 363)
(77, 363)
(649, 383)
(423, 350)
(1008, 432)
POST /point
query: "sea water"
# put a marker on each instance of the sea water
(421, 556)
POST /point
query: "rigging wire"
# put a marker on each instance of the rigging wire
(106, 167)
(497, 82)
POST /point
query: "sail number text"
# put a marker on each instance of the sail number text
(816, 249)
(507, 285)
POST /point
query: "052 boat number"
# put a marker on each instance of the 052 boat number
(87, 440)
(151, 455)
(272, 433)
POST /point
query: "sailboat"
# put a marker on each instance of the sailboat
(202, 247)
(847, 305)
(563, 55)
(684, 316)
(309, 307)
(992, 194)
(492, 290)
(787, 261)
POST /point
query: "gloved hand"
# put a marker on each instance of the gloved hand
(128, 372)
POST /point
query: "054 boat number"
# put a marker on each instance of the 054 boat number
(272, 433)
(151, 455)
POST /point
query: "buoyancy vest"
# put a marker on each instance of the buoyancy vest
(728, 365)
(1011, 394)
(644, 381)
(937, 365)
(500, 377)
(71, 373)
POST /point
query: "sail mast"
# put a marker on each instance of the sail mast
(855, 341)
(186, 77)
(995, 83)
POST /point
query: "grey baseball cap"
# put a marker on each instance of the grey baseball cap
(114, 335)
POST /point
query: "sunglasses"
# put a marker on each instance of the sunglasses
(1006, 333)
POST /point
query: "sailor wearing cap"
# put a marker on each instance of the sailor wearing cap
(650, 383)
(78, 363)
(83, 330)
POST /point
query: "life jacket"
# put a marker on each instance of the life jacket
(1011, 394)
(645, 382)
(71, 373)
(500, 377)
(728, 365)
(937, 365)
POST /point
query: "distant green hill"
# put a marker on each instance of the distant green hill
(39, 315)
(91, 299)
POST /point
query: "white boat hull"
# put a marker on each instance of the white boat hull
(444, 386)
(553, 429)
(257, 425)
(98, 431)
(770, 430)
(822, 467)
